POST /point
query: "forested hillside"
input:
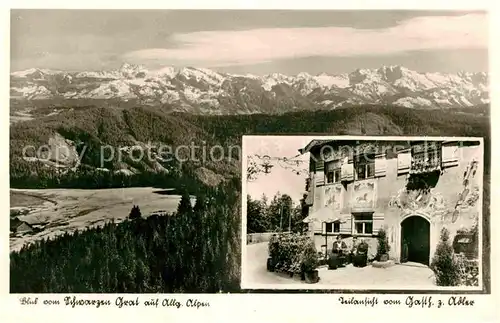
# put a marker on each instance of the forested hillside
(90, 128)
(194, 250)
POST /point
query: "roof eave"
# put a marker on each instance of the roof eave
(310, 145)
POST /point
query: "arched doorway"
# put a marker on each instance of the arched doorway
(415, 240)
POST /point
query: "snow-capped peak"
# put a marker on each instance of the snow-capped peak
(25, 73)
(132, 71)
(36, 73)
(202, 74)
(168, 71)
(304, 75)
(207, 91)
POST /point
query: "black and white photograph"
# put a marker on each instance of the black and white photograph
(181, 151)
(358, 213)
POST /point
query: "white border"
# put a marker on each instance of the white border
(294, 285)
(255, 4)
(261, 307)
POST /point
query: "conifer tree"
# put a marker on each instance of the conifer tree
(444, 264)
(185, 206)
(135, 213)
(383, 246)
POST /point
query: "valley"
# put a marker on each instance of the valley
(52, 212)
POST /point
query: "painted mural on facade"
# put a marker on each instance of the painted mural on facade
(363, 196)
(425, 200)
(411, 191)
(333, 197)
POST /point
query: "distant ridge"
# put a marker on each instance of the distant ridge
(203, 91)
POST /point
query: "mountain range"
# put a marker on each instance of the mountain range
(204, 91)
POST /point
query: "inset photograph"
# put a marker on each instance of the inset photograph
(393, 213)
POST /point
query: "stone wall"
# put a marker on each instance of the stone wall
(259, 237)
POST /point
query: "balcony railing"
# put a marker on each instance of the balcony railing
(425, 158)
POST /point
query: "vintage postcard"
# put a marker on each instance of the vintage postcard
(183, 161)
(361, 213)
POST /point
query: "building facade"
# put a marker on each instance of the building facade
(411, 189)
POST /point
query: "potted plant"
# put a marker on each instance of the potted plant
(270, 264)
(383, 246)
(309, 262)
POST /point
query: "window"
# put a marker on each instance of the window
(363, 223)
(365, 167)
(425, 157)
(333, 227)
(333, 176)
(333, 172)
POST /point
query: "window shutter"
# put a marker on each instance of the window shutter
(380, 165)
(378, 222)
(346, 226)
(320, 165)
(404, 162)
(449, 155)
(320, 178)
(347, 172)
(312, 164)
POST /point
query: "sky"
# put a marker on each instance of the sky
(280, 179)
(256, 42)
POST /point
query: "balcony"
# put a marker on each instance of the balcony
(425, 158)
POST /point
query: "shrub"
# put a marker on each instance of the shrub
(383, 246)
(292, 253)
(469, 273)
(273, 246)
(444, 264)
(309, 257)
